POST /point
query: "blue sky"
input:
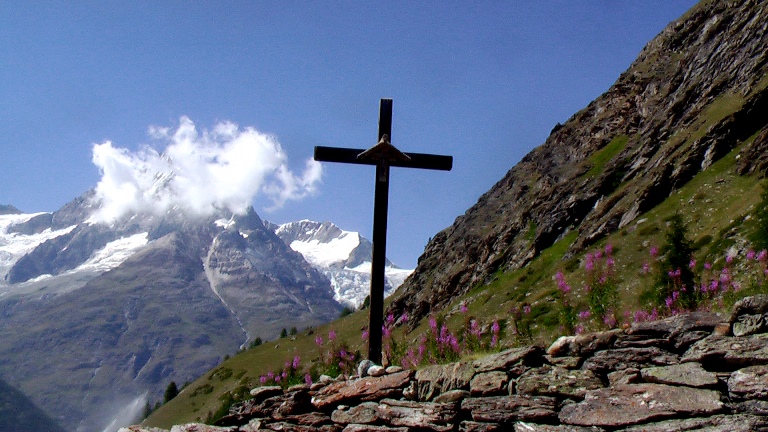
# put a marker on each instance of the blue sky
(482, 81)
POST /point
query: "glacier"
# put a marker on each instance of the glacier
(344, 257)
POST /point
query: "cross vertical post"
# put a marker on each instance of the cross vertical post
(384, 155)
(378, 261)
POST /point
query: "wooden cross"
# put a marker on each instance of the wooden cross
(383, 155)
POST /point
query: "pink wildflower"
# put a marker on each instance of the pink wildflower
(390, 319)
(589, 265)
(762, 255)
(332, 335)
(654, 251)
(364, 335)
(296, 361)
(318, 340)
(584, 314)
(463, 307)
(308, 379)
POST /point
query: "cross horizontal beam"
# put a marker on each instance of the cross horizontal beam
(417, 160)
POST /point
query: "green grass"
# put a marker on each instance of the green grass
(598, 160)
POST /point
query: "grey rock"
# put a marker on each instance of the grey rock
(727, 351)
(674, 328)
(754, 407)
(583, 344)
(436, 379)
(472, 426)
(746, 325)
(373, 428)
(197, 427)
(622, 358)
(624, 376)
(507, 409)
(749, 383)
(531, 427)
(363, 366)
(489, 383)
(137, 428)
(717, 423)
(394, 369)
(753, 305)
(368, 388)
(261, 393)
(510, 360)
(631, 404)
(556, 381)
(438, 417)
(365, 413)
(452, 396)
(567, 362)
(686, 374)
(376, 371)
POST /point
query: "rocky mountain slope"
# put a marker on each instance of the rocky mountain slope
(99, 317)
(696, 91)
(344, 257)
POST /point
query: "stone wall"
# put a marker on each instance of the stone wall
(697, 371)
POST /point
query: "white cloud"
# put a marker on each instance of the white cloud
(198, 172)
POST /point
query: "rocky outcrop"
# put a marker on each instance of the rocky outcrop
(695, 92)
(687, 372)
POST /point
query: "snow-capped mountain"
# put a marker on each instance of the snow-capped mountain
(342, 256)
(96, 315)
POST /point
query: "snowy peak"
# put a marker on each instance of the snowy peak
(344, 257)
(323, 244)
